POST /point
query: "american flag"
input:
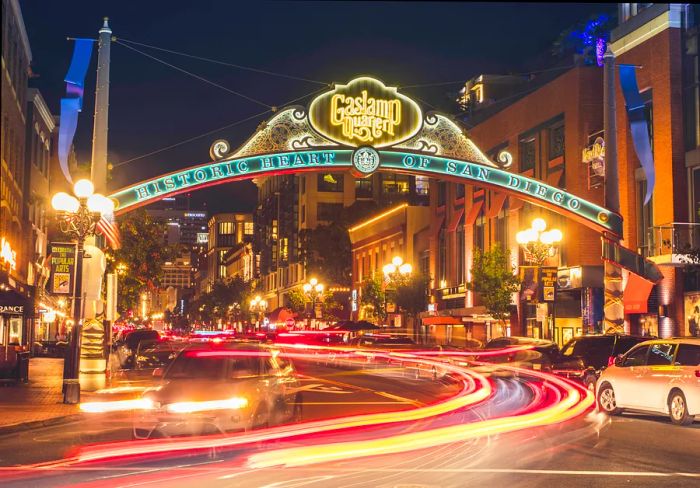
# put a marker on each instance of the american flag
(107, 226)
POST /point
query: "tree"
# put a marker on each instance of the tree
(373, 298)
(327, 253)
(139, 262)
(296, 300)
(225, 297)
(410, 296)
(494, 281)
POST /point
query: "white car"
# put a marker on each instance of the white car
(659, 376)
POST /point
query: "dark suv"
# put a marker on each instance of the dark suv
(584, 357)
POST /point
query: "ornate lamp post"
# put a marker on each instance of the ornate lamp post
(258, 307)
(313, 289)
(396, 273)
(539, 244)
(77, 216)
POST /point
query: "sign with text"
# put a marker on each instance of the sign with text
(548, 275)
(63, 260)
(365, 112)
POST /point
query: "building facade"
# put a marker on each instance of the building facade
(226, 231)
(663, 40)
(289, 205)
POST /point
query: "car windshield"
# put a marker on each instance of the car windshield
(191, 366)
(584, 346)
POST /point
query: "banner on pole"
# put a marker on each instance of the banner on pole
(63, 260)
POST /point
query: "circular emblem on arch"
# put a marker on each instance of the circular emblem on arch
(365, 161)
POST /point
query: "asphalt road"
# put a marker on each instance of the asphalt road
(630, 450)
(327, 393)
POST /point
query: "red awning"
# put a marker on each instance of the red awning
(636, 294)
(473, 212)
(455, 219)
(497, 201)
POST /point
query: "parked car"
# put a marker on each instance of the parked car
(584, 357)
(215, 388)
(539, 355)
(127, 345)
(660, 376)
(156, 354)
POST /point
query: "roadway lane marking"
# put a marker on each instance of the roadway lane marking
(528, 471)
(400, 399)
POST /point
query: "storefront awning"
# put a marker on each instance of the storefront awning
(636, 294)
(454, 222)
(473, 212)
(497, 201)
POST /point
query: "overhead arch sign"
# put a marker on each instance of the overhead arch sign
(364, 126)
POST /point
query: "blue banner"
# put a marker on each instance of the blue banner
(73, 102)
(639, 127)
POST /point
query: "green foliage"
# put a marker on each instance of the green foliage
(493, 279)
(411, 295)
(226, 298)
(373, 298)
(296, 300)
(327, 253)
(140, 258)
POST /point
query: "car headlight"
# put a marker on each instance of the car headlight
(234, 403)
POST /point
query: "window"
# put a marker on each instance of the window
(501, 225)
(459, 193)
(527, 153)
(395, 184)
(249, 228)
(363, 188)
(460, 250)
(442, 193)
(479, 231)
(332, 182)
(556, 141)
(645, 213)
(442, 255)
(226, 228)
(329, 211)
(661, 354)
(688, 355)
(636, 357)
(422, 185)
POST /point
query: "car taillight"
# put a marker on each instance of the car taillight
(611, 360)
(697, 373)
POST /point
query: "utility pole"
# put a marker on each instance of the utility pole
(101, 126)
(613, 308)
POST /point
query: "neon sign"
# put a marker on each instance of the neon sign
(365, 112)
(529, 189)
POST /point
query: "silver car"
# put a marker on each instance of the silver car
(210, 389)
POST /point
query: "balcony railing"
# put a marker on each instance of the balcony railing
(678, 242)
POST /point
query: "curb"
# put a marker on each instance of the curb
(37, 424)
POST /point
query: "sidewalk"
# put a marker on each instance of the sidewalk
(38, 403)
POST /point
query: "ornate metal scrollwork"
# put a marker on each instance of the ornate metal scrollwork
(219, 149)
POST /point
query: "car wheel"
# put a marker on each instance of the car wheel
(606, 400)
(678, 408)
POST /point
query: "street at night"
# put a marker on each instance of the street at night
(288, 244)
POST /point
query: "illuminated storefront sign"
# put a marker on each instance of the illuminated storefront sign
(8, 257)
(521, 186)
(365, 112)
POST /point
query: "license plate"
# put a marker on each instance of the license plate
(537, 366)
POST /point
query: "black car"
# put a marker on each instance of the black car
(156, 353)
(535, 354)
(127, 346)
(584, 357)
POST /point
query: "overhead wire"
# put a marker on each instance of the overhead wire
(454, 82)
(194, 75)
(225, 63)
(214, 131)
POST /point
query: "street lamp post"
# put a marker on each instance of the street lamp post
(77, 218)
(258, 307)
(396, 272)
(313, 289)
(538, 245)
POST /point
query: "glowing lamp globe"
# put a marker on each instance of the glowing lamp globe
(546, 238)
(100, 203)
(397, 261)
(389, 269)
(307, 287)
(539, 225)
(521, 238)
(83, 188)
(556, 235)
(63, 202)
(313, 281)
(405, 268)
(319, 288)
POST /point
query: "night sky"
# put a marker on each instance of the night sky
(153, 106)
